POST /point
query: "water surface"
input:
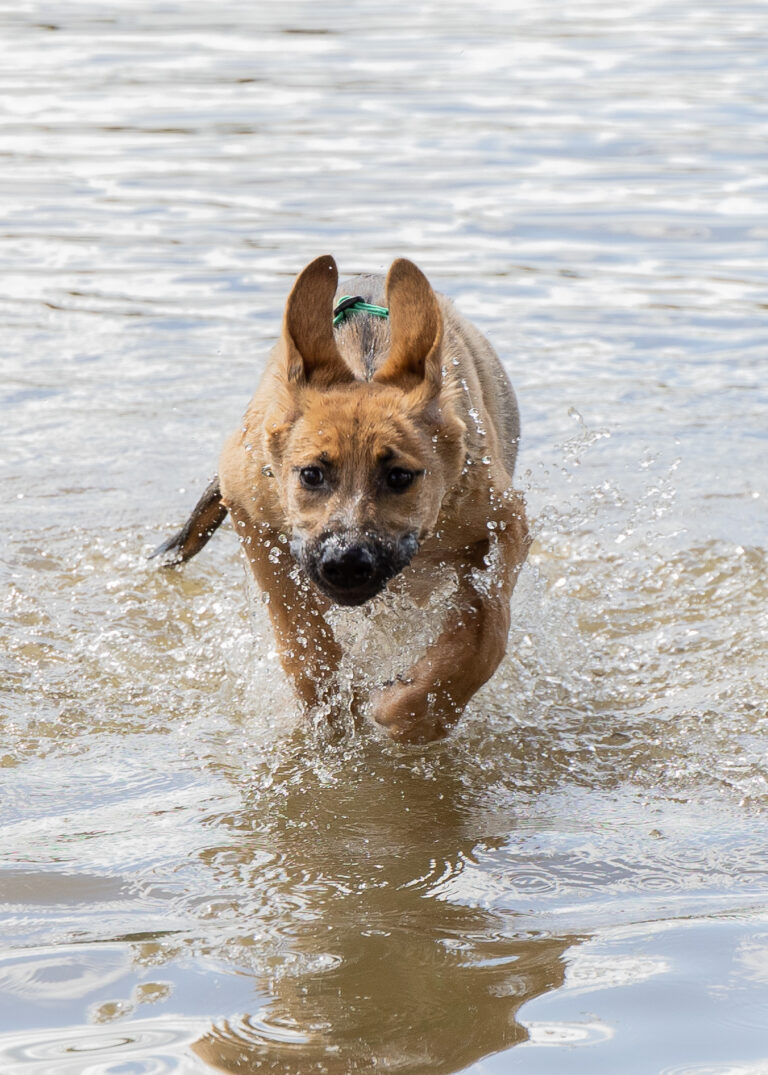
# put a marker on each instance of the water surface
(577, 881)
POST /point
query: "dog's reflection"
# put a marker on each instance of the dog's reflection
(385, 971)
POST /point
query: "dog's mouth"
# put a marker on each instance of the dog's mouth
(350, 567)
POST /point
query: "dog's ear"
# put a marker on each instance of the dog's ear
(311, 354)
(416, 326)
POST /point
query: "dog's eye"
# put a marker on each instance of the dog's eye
(398, 478)
(311, 477)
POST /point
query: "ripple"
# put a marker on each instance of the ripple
(533, 881)
(569, 1034)
(262, 1028)
(438, 874)
(655, 881)
(43, 975)
(150, 1047)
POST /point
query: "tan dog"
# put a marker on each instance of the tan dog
(376, 454)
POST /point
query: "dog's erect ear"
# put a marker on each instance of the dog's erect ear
(416, 325)
(311, 354)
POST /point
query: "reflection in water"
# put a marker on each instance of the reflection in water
(369, 967)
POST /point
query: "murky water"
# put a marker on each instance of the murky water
(578, 880)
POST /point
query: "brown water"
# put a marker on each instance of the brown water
(578, 880)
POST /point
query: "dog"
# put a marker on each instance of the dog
(377, 453)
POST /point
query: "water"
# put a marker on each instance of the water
(578, 879)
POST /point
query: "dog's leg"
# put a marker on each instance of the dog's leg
(431, 697)
(308, 651)
(207, 516)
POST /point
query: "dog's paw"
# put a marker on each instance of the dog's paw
(408, 714)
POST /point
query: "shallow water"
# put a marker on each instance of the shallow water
(577, 881)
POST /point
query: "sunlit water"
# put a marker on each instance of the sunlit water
(578, 880)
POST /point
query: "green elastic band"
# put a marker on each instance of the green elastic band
(361, 307)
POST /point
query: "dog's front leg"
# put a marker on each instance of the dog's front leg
(431, 697)
(308, 651)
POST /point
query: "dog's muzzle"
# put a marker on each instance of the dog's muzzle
(350, 567)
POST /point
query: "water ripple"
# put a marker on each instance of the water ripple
(149, 1048)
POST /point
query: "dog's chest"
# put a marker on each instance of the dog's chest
(382, 639)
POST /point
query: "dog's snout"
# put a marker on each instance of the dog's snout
(347, 567)
(351, 568)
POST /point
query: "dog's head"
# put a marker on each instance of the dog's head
(361, 466)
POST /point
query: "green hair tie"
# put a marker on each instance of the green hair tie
(352, 304)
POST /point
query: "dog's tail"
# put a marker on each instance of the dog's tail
(207, 516)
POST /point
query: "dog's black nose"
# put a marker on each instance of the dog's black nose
(347, 567)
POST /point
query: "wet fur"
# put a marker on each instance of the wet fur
(422, 390)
